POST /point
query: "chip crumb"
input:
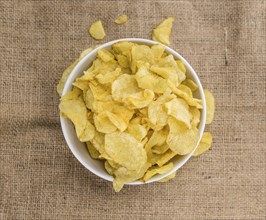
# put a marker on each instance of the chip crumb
(121, 19)
(97, 31)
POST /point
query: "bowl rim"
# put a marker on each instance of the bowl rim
(76, 70)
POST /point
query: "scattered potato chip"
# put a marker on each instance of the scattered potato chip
(210, 104)
(157, 170)
(168, 178)
(97, 31)
(121, 19)
(181, 140)
(125, 150)
(204, 145)
(162, 32)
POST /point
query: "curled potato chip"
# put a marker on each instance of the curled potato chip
(162, 32)
(82, 85)
(103, 123)
(123, 175)
(190, 83)
(100, 92)
(179, 109)
(186, 90)
(157, 170)
(164, 158)
(181, 66)
(97, 31)
(168, 178)
(88, 132)
(125, 150)
(108, 77)
(122, 47)
(156, 113)
(139, 99)
(98, 142)
(92, 150)
(204, 145)
(75, 110)
(73, 94)
(122, 60)
(195, 116)
(109, 168)
(160, 149)
(137, 131)
(149, 80)
(181, 140)
(117, 121)
(105, 55)
(210, 106)
(124, 86)
(158, 138)
(121, 19)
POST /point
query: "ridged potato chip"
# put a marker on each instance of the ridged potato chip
(121, 19)
(162, 32)
(157, 170)
(204, 145)
(181, 139)
(125, 150)
(97, 31)
(210, 106)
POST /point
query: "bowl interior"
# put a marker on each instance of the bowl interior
(79, 149)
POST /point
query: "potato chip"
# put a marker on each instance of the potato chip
(168, 178)
(121, 19)
(190, 101)
(105, 55)
(92, 150)
(88, 132)
(157, 170)
(190, 83)
(125, 150)
(98, 142)
(156, 113)
(124, 86)
(103, 123)
(204, 145)
(181, 140)
(162, 32)
(158, 138)
(123, 175)
(110, 170)
(100, 92)
(97, 31)
(75, 110)
(117, 121)
(108, 77)
(139, 99)
(88, 98)
(122, 47)
(210, 104)
(148, 80)
(122, 60)
(160, 149)
(157, 51)
(164, 158)
(82, 85)
(137, 131)
(179, 109)
(73, 94)
(186, 90)
(195, 116)
(181, 66)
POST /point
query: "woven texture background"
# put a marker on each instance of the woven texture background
(225, 42)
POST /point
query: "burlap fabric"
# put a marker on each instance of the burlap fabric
(225, 41)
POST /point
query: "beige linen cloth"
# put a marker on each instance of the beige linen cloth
(225, 42)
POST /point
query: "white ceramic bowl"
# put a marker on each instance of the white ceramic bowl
(79, 149)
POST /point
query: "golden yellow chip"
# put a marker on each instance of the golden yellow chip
(139, 99)
(181, 140)
(108, 77)
(97, 31)
(137, 131)
(162, 32)
(158, 138)
(157, 170)
(109, 168)
(103, 123)
(157, 51)
(195, 116)
(92, 150)
(210, 104)
(105, 55)
(191, 84)
(168, 178)
(121, 19)
(181, 66)
(179, 109)
(125, 150)
(204, 145)
(164, 158)
(160, 149)
(73, 94)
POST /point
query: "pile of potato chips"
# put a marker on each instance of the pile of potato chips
(134, 108)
